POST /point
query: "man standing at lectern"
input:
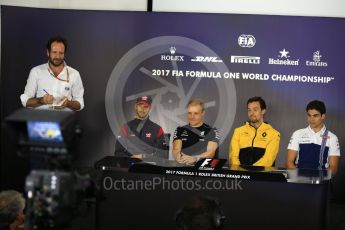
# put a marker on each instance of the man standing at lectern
(256, 142)
(140, 137)
(54, 84)
(195, 140)
(315, 146)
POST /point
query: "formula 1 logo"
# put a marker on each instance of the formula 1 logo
(210, 164)
(206, 59)
(246, 40)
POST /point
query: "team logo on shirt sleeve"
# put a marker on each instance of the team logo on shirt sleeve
(184, 133)
(175, 133)
(217, 137)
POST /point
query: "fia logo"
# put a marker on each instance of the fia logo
(246, 40)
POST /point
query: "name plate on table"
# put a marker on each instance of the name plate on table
(209, 169)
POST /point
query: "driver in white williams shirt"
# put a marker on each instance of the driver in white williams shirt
(314, 147)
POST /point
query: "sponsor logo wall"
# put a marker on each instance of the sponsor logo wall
(224, 60)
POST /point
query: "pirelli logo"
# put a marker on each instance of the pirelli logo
(245, 59)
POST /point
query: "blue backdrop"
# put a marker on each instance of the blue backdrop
(221, 58)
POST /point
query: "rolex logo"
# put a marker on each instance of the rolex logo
(172, 56)
(172, 50)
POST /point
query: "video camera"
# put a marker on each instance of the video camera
(55, 191)
(56, 199)
(45, 136)
(51, 199)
